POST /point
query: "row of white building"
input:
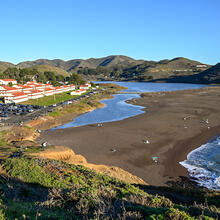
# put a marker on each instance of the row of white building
(34, 90)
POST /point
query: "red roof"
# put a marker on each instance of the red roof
(49, 89)
(9, 80)
(26, 87)
(9, 88)
(35, 91)
(18, 93)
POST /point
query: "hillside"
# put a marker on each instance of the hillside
(208, 76)
(56, 70)
(119, 67)
(164, 69)
(33, 188)
(77, 63)
(5, 65)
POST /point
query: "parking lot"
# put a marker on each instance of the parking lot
(18, 113)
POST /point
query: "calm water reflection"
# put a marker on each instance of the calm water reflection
(117, 109)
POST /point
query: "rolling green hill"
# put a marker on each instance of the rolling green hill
(119, 67)
(77, 63)
(164, 69)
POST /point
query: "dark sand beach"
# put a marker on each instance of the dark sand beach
(173, 124)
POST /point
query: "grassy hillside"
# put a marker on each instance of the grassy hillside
(56, 70)
(34, 188)
(163, 69)
(119, 67)
(209, 76)
(4, 66)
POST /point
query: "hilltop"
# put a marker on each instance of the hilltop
(80, 63)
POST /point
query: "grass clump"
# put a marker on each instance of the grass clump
(30, 171)
(3, 141)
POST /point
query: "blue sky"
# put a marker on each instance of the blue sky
(142, 29)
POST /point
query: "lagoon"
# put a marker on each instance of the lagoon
(117, 109)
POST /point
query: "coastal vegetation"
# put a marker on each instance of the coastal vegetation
(33, 188)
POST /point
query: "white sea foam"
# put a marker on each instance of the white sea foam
(203, 164)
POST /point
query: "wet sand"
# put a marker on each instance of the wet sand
(173, 124)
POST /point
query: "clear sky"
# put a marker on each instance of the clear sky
(142, 29)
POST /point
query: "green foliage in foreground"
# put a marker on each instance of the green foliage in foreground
(50, 189)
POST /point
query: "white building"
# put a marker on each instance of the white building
(75, 92)
(84, 87)
(88, 85)
(33, 90)
(7, 81)
(78, 92)
(16, 97)
(35, 94)
(49, 91)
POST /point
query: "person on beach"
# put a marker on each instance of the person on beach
(44, 145)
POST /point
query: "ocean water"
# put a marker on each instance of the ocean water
(203, 164)
(117, 109)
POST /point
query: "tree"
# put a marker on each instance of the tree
(41, 78)
(76, 79)
(59, 78)
(10, 84)
(50, 76)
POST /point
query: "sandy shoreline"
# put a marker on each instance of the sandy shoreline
(171, 137)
